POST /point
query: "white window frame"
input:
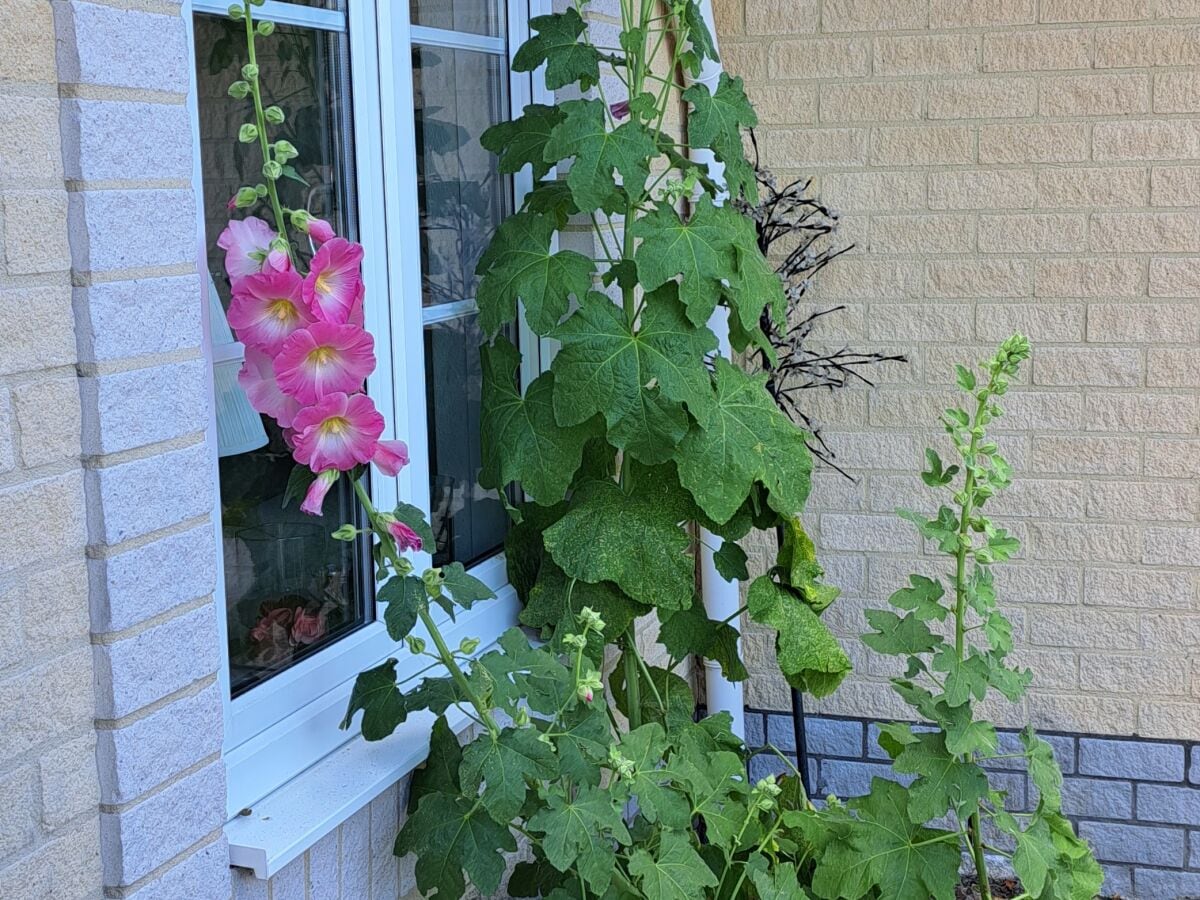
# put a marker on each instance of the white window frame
(282, 727)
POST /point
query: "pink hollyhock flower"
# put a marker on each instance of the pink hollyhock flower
(278, 261)
(339, 431)
(314, 500)
(247, 243)
(405, 537)
(324, 359)
(268, 621)
(267, 309)
(334, 281)
(619, 110)
(257, 379)
(319, 230)
(308, 628)
(391, 457)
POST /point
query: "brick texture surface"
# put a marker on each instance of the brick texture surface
(1004, 165)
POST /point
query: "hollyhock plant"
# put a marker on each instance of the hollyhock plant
(334, 285)
(314, 499)
(406, 539)
(339, 431)
(257, 380)
(267, 308)
(391, 457)
(324, 359)
(247, 245)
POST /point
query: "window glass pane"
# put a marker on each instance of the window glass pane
(459, 93)
(339, 5)
(472, 16)
(290, 589)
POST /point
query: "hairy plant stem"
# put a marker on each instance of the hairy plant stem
(260, 118)
(974, 832)
(445, 655)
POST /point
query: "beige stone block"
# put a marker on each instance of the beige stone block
(27, 43)
(873, 191)
(1088, 277)
(862, 532)
(1173, 367)
(1071, 541)
(815, 147)
(56, 506)
(1053, 670)
(1039, 585)
(1171, 632)
(68, 866)
(1143, 323)
(1086, 455)
(1087, 629)
(749, 60)
(940, 361)
(922, 146)
(939, 54)
(1055, 142)
(1160, 232)
(48, 419)
(1176, 92)
(60, 690)
(982, 13)
(30, 147)
(862, 699)
(1174, 277)
(904, 409)
(922, 322)
(885, 101)
(1095, 366)
(874, 15)
(1036, 51)
(1094, 95)
(984, 98)
(1175, 186)
(729, 16)
(1040, 410)
(35, 233)
(922, 235)
(53, 606)
(1039, 322)
(879, 450)
(837, 408)
(1062, 11)
(982, 189)
(69, 781)
(1132, 48)
(1091, 187)
(1032, 233)
(776, 17)
(1140, 589)
(1074, 713)
(1174, 721)
(1042, 498)
(783, 104)
(1142, 501)
(1173, 458)
(1178, 9)
(1168, 139)
(870, 279)
(1134, 413)
(978, 278)
(821, 58)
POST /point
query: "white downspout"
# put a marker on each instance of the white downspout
(721, 598)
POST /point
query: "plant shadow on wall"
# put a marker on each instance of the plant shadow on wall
(636, 436)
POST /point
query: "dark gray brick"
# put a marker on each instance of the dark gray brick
(1138, 760)
(1164, 803)
(1155, 884)
(834, 737)
(767, 764)
(1194, 845)
(853, 779)
(1014, 785)
(1097, 798)
(754, 730)
(1194, 774)
(780, 732)
(1118, 882)
(1135, 844)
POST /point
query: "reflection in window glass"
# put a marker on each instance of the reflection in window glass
(459, 94)
(290, 589)
(471, 16)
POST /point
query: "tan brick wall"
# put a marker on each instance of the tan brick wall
(49, 797)
(1010, 164)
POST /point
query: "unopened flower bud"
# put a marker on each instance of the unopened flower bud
(416, 645)
(257, 2)
(266, 29)
(521, 718)
(588, 685)
(279, 244)
(620, 764)
(239, 90)
(285, 150)
(468, 646)
(272, 170)
(236, 12)
(248, 133)
(245, 197)
(300, 219)
(274, 115)
(345, 533)
(260, 190)
(433, 579)
(590, 619)
(250, 71)
(578, 641)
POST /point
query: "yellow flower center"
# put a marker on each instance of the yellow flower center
(334, 425)
(321, 285)
(320, 356)
(282, 309)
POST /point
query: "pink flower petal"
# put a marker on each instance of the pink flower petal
(314, 500)
(324, 359)
(391, 457)
(246, 243)
(257, 379)
(334, 281)
(406, 539)
(267, 309)
(337, 432)
(320, 230)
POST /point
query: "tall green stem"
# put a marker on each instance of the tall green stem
(444, 653)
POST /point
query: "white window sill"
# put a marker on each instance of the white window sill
(285, 824)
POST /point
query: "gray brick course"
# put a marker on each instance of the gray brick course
(1164, 803)
(1144, 844)
(1139, 760)
(100, 239)
(145, 406)
(1157, 884)
(1096, 797)
(834, 737)
(120, 319)
(119, 140)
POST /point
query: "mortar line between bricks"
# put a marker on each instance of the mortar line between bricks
(150, 709)
(104, 551)
(121, 365)
(107, 638)
(83, 278)
(147, 451)
(23, 478)
(116, 809)
(79, 186)
(119, 893)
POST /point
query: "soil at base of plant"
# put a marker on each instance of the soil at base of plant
(1002, 889)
